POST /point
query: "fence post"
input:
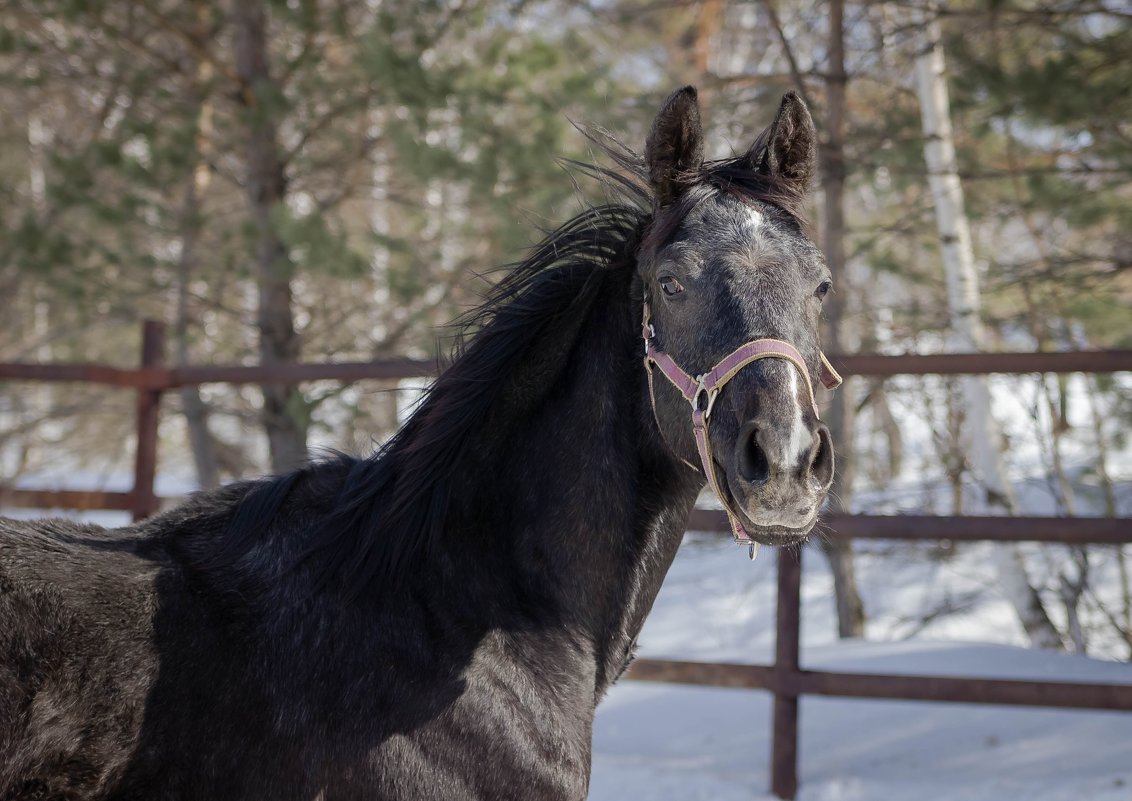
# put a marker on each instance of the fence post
(784, 747)
(143, 500)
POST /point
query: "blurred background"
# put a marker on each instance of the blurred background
(313, 179)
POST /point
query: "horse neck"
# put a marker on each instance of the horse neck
(578, 496)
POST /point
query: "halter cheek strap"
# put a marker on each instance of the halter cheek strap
(702, 390)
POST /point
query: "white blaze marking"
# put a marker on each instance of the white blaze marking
(756, 219)
(800, 436)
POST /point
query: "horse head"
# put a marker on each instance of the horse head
(732, 292)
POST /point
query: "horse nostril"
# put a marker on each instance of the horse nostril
(821, 457)
(753, 464)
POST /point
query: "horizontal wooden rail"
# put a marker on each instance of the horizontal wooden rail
(83, 500)
(1066, 530)
(1071, 530)
(877, 365)
(165, 378)
(1087, 361)
(1011, 692)
(382, 369)
(84, 374)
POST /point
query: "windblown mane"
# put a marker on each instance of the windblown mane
(391, 507)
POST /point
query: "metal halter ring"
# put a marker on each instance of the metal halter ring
(703, 391)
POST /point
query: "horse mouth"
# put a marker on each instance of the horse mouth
(792, 531)
(778, 534)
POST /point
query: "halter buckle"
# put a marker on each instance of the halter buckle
(710, 394)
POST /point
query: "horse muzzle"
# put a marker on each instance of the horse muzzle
(782, 465)
(779, 476)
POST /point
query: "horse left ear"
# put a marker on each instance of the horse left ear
(674, 149)
(788, 150)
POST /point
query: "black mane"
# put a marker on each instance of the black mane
(391, 507)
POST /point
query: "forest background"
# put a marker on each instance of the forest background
(337, 179)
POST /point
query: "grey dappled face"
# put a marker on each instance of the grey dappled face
(725, 263)
(736, 271)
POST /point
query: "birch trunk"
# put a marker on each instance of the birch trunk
(981, 431)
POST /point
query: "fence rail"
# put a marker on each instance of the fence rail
(160, 378)
(786, 679)
(1057, 694)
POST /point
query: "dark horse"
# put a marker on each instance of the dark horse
(439, 620)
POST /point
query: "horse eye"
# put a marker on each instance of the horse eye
(823, 289)
(670, 286)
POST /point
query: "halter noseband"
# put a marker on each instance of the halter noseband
(702, 391)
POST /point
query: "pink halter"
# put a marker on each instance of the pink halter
(702, 391)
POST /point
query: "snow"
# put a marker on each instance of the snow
(666, 742)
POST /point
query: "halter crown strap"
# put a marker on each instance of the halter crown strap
(702, 391)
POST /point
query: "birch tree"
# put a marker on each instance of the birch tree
(962, 282)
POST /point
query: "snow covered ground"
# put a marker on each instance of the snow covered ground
(666, 742)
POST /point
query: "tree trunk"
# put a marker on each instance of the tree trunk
(284, 410)
(962, 281)
(193, 407)
(850, 609)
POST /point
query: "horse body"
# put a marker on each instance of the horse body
(437, 621)
(210, 683)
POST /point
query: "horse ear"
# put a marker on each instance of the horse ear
(788, 150)
(674, 149)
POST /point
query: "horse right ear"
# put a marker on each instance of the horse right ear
(788, 149)
(674, 149)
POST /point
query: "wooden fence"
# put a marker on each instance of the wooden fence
(785, 678)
